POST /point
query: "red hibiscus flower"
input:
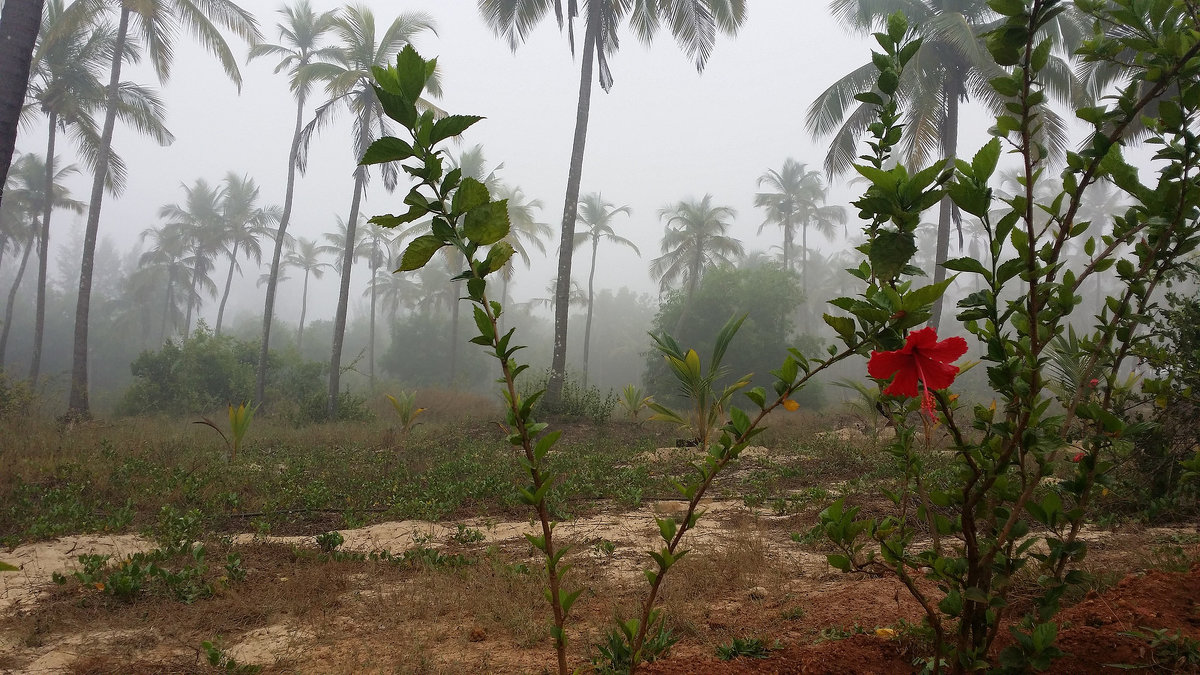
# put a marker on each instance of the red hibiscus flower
(1078, 457)
(922, 359)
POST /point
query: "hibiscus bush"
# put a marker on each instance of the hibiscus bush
(1027, 462)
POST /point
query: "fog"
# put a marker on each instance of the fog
(663, 133)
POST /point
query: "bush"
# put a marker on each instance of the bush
(206, 372)
(579, 400)
(16, 399)
(314, 409)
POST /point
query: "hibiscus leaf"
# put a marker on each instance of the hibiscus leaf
(890, 252)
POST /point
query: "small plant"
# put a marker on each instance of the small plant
(1171, 652)
(406, 409)
(239, 423)
(605, 548)
(466, 535)
(751, 648)
(633, 401)
(329, 542)
(616, 658)
(176, 531)
(792, 613)
(234, 571)
(217, 658)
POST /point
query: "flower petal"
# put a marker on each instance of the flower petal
(883, 365)
(937, 375)
(905, 383)
(946, 351)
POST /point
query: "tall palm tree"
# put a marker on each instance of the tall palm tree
(202, 225)
(19, 21)
(596, 216)
(695, 240)
(168, 257)
(154, 25)
(345, 70)
(694, 25)
(306, 257)
(66, 84)
(378, 255)
(246, 223)
(393, 291)
(300, 33)
(796, 196)
(524, 230)
(30, 193)
(952, 65)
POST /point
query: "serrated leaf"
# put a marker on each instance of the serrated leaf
(450, 126)
(487, 224)
(471, 194)
(386, 149)
(419, 251)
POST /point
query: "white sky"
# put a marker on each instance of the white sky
(664, 133)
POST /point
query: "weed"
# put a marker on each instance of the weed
(466, 535)
(752, 648)
(1172, 652)
(792, 613)
(328, 542)
(217, 658)
(616, 657)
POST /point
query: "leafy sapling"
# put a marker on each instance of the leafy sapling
(462, 216)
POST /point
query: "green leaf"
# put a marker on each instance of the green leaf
(890, 252)
(983, 164)
(419, 251)
(842, 324)
(498, 256)
(487, 224)
(450, 126)
(839, 561)
(965, 265)
(397, 107)
(386, 149)
(410, 73)
(471, 194)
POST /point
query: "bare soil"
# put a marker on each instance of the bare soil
(746, 577)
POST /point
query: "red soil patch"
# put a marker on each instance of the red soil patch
(1090, 633)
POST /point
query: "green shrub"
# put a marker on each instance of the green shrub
(207, 372)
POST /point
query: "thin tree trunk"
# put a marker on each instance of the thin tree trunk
(946, 211)
(371, 346)
(587, 327)
(192, 298)
(3, 246)
(787, 243)
(39, 321)
(454, 333)
(807, 294)
(19, 24)
(303, 312)
(693, 281)
(228, 283)
(12, 298)
(78, 404)
(339, 321)
(562, 289)
(168, 303)
(273, 279)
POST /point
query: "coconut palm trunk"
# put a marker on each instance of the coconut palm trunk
(168, 303)
(562, 289)
(78, 402)
(587, 325)
(303, 312)
(339, 321)
(946, 209)
(228, 284)
(39, 321)
(19, 24)
(273, 279)
(371, 344)
(12, 299)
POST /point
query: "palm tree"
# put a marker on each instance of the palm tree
(378, 255)
(19, 21)
(596, 215)
(300, 35)
(796, 196)
(346, 72)
(168, 256)
(695, 240)
(952, 65)
(393, 291)
(66, 84)
(524, 230)
(693, 24)
(306, 256)
(29, 191)
(156, 25)
(202, 226)
(245, 224)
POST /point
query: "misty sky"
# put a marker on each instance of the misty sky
(664, 133)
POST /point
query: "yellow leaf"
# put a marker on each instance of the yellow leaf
(790, 404)
(99, 586)
(888, 633)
